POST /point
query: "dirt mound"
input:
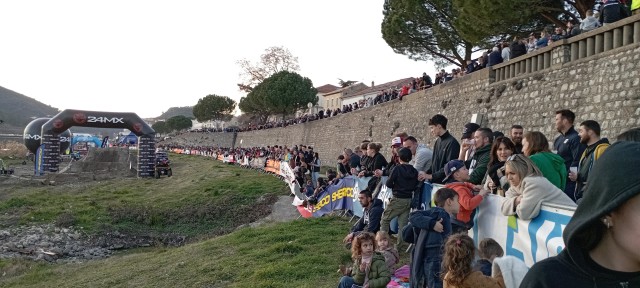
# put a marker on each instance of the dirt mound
(115, 161)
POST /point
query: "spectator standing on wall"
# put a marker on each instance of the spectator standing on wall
(589, 23)
(531, 45)
(612, 11)
(558, 35)
(426, 80)
(543, 41)
(518, 48)
(445, 149)
(495, 57)
(471, 66)
(506, 52)
(572, 30)
(568, 145)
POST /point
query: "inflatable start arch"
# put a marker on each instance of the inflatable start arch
(69, 118)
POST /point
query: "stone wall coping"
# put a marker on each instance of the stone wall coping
(573, 39)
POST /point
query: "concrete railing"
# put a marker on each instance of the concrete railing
(622, 33)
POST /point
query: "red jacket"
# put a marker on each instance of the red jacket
(468, 202)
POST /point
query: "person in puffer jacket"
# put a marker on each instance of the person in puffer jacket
(428, 230)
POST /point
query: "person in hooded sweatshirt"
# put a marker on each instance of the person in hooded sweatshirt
(601, 239)
(402, 181)
(529, 189)
(552, 166)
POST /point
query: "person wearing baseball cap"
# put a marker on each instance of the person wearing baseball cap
(468, 148)
(456, 178)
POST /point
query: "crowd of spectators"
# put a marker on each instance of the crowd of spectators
(520, 166)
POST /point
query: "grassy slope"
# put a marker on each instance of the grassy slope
(203, 197)
(303, 253)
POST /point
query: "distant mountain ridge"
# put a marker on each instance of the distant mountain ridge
(17, 110)
(186, 111)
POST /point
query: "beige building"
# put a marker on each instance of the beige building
(374, 90)
(333, 100)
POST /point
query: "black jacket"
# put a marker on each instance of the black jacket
(370, 220)
(403, 181)
(573, 267)
(374, 163)
(517, 49)
(445, 149)
(568, 147)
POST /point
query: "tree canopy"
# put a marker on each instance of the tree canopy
(161, 127)
(283, 93)
(424, 30)
(177, 123)
(273, 60)
(214, 107)
(447, 31)
(347, 83)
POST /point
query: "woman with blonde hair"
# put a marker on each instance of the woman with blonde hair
(529, 189)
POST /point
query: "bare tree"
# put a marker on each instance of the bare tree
(273, 60)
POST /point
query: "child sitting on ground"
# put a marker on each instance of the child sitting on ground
(459, 252)
(390, 254)
(369, 267)
(488, 249)
(428, 230)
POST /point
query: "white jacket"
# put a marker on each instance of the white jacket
(534, 192)
(513, 270)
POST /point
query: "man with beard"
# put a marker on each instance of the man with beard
(516, 134)
(589, 132)
(370, 220)
(478, 163)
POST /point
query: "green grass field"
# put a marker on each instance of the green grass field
(302, 253)
(202, 200)
(204, 197)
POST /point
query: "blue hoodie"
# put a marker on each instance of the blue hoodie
(428, 243)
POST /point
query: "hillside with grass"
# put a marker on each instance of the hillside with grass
(202, 205)
(17, 109)
(303, 253)
(186, 111)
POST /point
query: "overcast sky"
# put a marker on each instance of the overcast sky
(147, 56)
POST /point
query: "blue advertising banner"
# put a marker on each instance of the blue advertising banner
(335, 197)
